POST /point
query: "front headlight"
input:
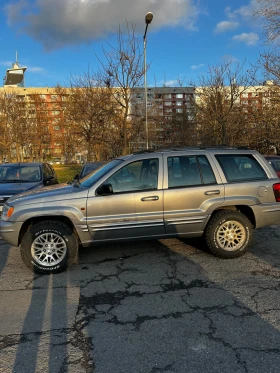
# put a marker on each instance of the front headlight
(7, 212)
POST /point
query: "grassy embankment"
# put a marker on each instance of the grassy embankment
(66, 173)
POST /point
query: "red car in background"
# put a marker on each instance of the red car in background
(274, 160)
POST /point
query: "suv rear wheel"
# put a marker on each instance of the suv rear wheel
(49, 247)
(228, 234)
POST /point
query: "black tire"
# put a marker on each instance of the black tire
(228, 234)
(49, 247)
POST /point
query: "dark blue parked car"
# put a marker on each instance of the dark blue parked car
(16, 178)
(90, 167)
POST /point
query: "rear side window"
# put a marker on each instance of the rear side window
(190, 170)
(239, 168)
(275, 164)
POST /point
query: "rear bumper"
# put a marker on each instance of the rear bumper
(266, 214)
(9, 231)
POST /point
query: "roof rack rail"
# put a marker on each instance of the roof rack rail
(224, 147)
(182, 148)
(144, 151)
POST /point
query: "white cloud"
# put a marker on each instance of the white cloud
(245, 11)
(57, 23)
(36, 69)
(195, 67)
(224, 26)
(171, 83)
(247, 38)
(229, 58)
(6, 63)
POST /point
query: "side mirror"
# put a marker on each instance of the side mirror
(104, 189)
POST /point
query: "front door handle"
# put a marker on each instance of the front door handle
(211, 192)
(152, 198)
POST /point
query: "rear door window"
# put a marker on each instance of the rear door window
(189, 170)
(238, 168)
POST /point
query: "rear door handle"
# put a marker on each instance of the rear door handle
(152, 198)
(211, 192)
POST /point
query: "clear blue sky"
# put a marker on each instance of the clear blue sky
(57, 38)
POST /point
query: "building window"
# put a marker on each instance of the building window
(179, 95)
(168, 103)
(244, 95)
(179, 103)
(167, 95)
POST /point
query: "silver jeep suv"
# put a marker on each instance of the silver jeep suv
(219, 193)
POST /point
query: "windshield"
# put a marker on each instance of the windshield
(90, 179)
(9, 174)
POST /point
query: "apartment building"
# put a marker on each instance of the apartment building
(163, 105)
(47, 106)
(42, 111)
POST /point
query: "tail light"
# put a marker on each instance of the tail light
(276, 189)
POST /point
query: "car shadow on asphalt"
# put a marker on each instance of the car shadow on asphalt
(45, 322)
(4, 254)
(134, 295)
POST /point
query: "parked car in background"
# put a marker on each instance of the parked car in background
(90, 167)
(274, 160)
(222, 194)
(16, 178)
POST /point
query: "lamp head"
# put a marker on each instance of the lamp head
(149, 18)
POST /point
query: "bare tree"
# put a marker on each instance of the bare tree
(270, 62)
(89, 112)
(122, 68)
(270, 11)
(4, 140)
(218, 101)
(265, 124)
(38, 124)
(14, 116)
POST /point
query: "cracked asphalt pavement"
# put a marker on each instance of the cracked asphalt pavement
(145, 307)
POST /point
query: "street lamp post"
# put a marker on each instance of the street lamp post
(148, 20)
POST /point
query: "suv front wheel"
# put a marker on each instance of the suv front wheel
(228, 234)
(49, 247)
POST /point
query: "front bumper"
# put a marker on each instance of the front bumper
(9, 231)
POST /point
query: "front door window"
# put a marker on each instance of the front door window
(136, 176)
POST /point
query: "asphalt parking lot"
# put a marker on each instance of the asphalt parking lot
(146, 307)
